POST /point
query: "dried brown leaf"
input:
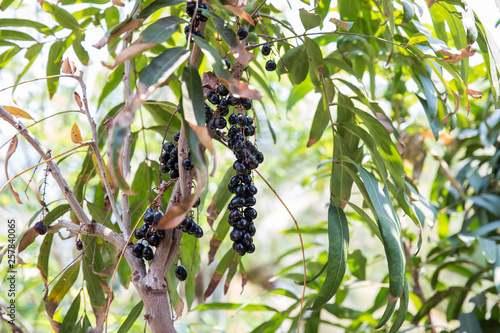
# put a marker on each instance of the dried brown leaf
(214, 282)
(66, 66)
(244, 280)
(131, 25)
(208, 81)
(214, 246)
(244, 89)
(78, 100)
(10, 151)
(311, 141)
(178, 309)
(341, 24)
(474, 93)
(130, 52)
(454, 58)
(26, 239)
(241, 4)
(241, 54)
(76, 136)
(431, 2)
(230, 275)
(17, 112)
(241, 13)
(384, 121)
(118, 3)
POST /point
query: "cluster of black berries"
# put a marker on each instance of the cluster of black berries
(190, 7)
(190, 226)
(149, 234)
(170, 159)
(270, 64)
(218, 97)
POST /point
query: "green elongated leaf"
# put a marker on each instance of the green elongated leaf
(15, 35)
(295, 63)
(488, 201)
(143, 179)
(403, 310)
(433, 301)
(5, 4)
(117, 136)
(98, 213)
(226, 33)
(162, 29)
(113, 81)
(31, 55)
(56, 213)
(61, 288)
(408, 11)
(389, 310)
(301, 283)
(309, 20)
(496, 270)
(63, 17)
(434, 123)
(174, 297)
(389, 13)
(488, 248)
(390, 230)
(338, 240)
(221, 268)
(342, 65)
(8, 55)
(43, 257)
(448, 263)
(219, 235)
(316, 58)
(221, 196)
(92, 281)
(320, 121)
(458, 299)
(387, 148)
(161, 67)
(431, 95)
(131, 318)
(193, 108)
(54, 65)
(371, 145)
(439, 22)
(85, 325)
(263, 84)
(69, 321)
(234, 306)
(298, 93)
(469, 322)
(80, 51)
(17, 22)
(213, 58)
(157, 4)
(371, 223)
(357, 264)
(340, 182)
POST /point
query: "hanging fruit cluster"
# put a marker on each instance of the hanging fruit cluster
(147, 235)
(169, 159)
(199, 17)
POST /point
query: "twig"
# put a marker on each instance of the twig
(98, 156)
(37, 79)
(447, 172)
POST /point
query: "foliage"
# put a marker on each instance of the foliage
(413, 150)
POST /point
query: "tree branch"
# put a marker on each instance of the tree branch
(54, 169)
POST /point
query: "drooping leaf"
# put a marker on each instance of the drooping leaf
(131, 318)
(10, 151)
(295, 63)
(61, 15)
(193, 108)
(213, 57)
(320, 122)
(161, 67)
(221, 268)
(155, 5)
(54, 65)
(71, 316)
(76, 136)
(61, 288)
(220, 198)
(338, 240)
(309, 20)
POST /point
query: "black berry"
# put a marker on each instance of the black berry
(147, 253)
(266, 49)
(40, 228)
(270, 65)
(242, 33)
(181, 273)
(79, 245)
(137, 250)
(188, 164)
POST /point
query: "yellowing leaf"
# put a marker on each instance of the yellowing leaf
(18, 112)
(10, 151)
(345, 25)
(241, 13)
(76, 136)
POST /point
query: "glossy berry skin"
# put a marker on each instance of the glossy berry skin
(199, 232)
(246, 103)
(270, 66)
(173, 154)
(137, 250)
(242, 223)
(79, 245)
(197, 203)
(177, 136)
(168, 146)
(160, 233)
(158, 216)
(250, 213)
(214, 99)
(181, 273)
(235, 235)
(233, 101)
(266, 49)
(220, 123)
(259, 157)
(139, 234)
(251, 229)
(239, 248)
(174, 174)
(188, 164)
(40, 228)
(147, 253)
(234, 215)
(232, 119)
(250, 248)
(153, 240)
(227, 63)
(250, 201)
(242, 33)
(222, 90)
(202, 18)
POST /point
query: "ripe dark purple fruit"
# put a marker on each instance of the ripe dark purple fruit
(160, 233)
(147, 253)
(250, 201)
(232, 119)
(188, 164)
(149, 217)
(242, 33)
(233, 101)
(249, 120)
(242, 223)
(153, 240)
(270, 66)
(197, 203)
(199, 232)
(239, 248)
(199, 33)
(227, 63)
(246, 238)
(250, 248)
(234, 215)
(259, 156)
(220, 123)
(235, 235)
(177, 136)
(251, 229)
(266, 49)
(202, 18)
(174, 174)
(222, 90)
(181, 273)
(139, 234)
(137, 250)
(173, 154)
(158, 216)
(79, 245)
(193, 229)
(184, 222)
(250, 213)
(40, 228)
(246, 103)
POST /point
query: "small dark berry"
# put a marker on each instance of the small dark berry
(199, 232)
(250, 213)
(239, 248)
(234, 215)
(246, 179)
(235, 235)
(40, 228)
(220, 123)
(197, 203)
(235, 180)
(211, 124)
(149, 217)
(233, 130)
(251, 229)
(79, 245)
(259, 157)
(202, 18)
(177, 136)
(202, 6)
(173, 154)
(249, 130)
(232, 119)
(242, 33)
(242, 223)
(193, 229)
(250, 248)
(249, 120)
(246, 103)
(184, 222)
(233, 101)
(241, 120)
(153, 240)
(147, 253)
(222, 90)
(181, 273)
(158, 216)
(139, 234)
(250, 201)
(137, 250)
(227, 63)
(174, 174)
(188, 164)
(165, 169)
(160, 233)
(199, 34)
(266, 49)
(246, 238)
(270, 65)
